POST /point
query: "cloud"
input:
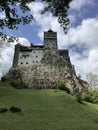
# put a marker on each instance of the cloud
(84, 34)
(83, 38)
(23, 41)
(78, 4)
(7, 53)
(2, 15)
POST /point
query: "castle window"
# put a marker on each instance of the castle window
(33, 61)
(36, 56)
(36, 61)
(26, 62)
(21, 63)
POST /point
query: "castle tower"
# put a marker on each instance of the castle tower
(16, 55)
(50, 40)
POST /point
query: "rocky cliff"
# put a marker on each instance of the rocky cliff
(53, 69)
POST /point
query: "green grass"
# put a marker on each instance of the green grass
(45, 110)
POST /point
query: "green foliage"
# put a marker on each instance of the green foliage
(12, 19)
(19, 84)
(3, 110)
(61, 86)
(3, 79)
(78, 94)
(15, 109)
(88, 96)
(91, 96)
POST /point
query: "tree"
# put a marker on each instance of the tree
(92, 80)
(12, 18)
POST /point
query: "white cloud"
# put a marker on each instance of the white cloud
(77, 4)
(84, 36)
(2, 15)
(23, 41)
(7, 53)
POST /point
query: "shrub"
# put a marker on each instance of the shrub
(3, 79)
(15, 109)
(91, 96)
(88, 96)
(61, 86)
(78, 94)
(19, 84)
(3, 110)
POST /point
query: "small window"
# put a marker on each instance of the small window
(21, 63)
(21, 57)
(36, 56)
(26, 62)
(33, 61)
(36, 61)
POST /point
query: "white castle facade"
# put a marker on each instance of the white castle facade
(25, 56)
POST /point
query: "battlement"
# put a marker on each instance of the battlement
(50, 34)
(64, 52)
(32, 47)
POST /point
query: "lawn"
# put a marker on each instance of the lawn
(45, 110)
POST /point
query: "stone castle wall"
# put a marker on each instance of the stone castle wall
(54, 65)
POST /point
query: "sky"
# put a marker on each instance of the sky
(81, 39)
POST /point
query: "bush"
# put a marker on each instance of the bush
(78, 94)
(15, 109)
(3, 110)
(91, 96)
(3, 79)
(19, 84)
(61, 86)
(88, 96)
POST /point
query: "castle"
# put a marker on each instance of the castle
(43, 66)
(32, 55)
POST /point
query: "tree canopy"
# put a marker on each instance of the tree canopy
(12, 18)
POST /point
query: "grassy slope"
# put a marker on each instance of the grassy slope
(45, 110)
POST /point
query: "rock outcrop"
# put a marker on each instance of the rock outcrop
(53, 69)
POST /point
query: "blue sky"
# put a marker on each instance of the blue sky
(81, 39)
